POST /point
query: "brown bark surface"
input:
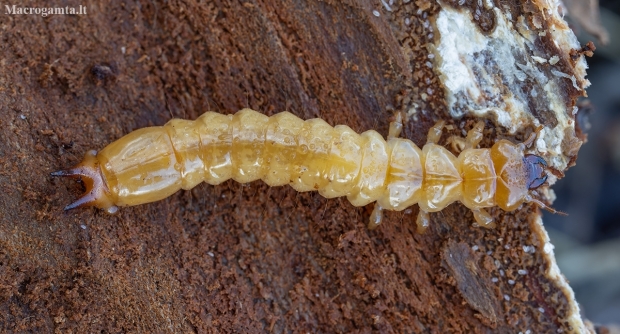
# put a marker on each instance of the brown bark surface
(237, 258)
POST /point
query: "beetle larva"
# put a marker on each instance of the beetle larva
(152, 163)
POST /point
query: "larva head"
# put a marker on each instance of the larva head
(97, 193)
(536, 171)
(517, 174)
(537, 176)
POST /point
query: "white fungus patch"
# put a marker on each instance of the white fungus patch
(498, 75)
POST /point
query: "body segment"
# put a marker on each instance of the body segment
(152, 163)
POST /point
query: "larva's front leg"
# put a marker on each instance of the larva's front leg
(476, 157)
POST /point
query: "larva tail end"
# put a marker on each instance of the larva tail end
(96, 191)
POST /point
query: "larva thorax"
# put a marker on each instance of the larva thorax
(152, 163)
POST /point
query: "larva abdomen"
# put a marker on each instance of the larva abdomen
(308, 155)
(282, 149)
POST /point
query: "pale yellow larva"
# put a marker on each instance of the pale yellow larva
(152, 163)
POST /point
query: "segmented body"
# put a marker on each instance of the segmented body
(152, 163)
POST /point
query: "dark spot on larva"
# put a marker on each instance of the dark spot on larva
(473, 284)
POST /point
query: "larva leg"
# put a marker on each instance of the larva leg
(423, 221)
(483, 218)
(530, 139)
(474, 136)
(434, 133)
(396, 126)
(376, 217)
